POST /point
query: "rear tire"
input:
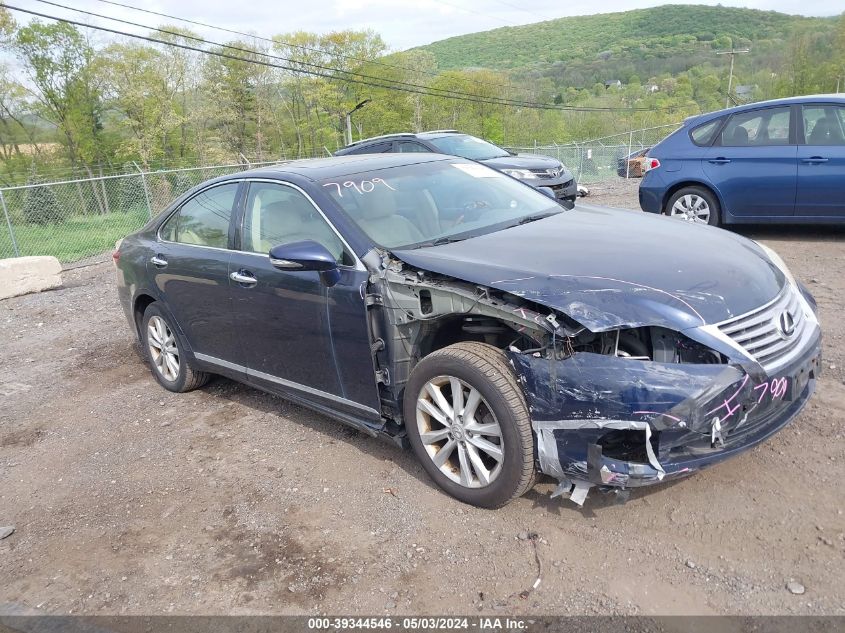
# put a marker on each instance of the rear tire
(694, 204)
(165, 354)
(482, 450)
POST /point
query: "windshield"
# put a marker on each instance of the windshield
(467, 146)
(435, 202)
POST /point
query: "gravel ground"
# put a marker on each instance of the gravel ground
(128, 499)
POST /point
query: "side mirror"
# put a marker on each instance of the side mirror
(303, 256)
(548, 192)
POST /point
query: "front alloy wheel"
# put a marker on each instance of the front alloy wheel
(459, 431)
(468, 424)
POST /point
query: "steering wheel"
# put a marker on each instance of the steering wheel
(471, 204)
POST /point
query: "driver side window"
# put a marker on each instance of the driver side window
(277, 214)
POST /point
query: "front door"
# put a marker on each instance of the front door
(752, 164)
(297, 335)
(821, 163)
(190, 269)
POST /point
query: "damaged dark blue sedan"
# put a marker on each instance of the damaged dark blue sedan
(436, 302)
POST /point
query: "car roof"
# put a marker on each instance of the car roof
(337, 166)
(820, 98)
(440, 134)
(403, 135)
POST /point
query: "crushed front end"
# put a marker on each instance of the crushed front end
(661, 404)
(626, 385)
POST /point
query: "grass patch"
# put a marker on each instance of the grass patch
(76, 238)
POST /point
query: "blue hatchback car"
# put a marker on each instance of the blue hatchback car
(780, 161)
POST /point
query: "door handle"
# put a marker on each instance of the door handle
(158, 261)
(243, 278)
(719, 161)
(813, 160)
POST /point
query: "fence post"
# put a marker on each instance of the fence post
(9, 224)
(580, 161)
(146, 193)
(628, 157)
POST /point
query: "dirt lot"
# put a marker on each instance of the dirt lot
(129, 499)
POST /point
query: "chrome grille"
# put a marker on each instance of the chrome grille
(545, 173)
(770, 334)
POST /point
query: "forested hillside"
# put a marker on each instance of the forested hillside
(659, 33)
(662, 56)
(75, 102)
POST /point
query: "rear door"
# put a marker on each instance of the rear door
(821, 162)
(752, 164)
(190, 268)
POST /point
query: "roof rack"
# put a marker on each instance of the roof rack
(375, 138)
(440, 131)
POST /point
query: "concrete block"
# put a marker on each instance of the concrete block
(23, 275)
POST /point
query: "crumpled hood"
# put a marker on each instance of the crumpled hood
(608, 268)
(523, 161)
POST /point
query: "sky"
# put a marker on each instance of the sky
(402, 24)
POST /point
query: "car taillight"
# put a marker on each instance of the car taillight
(651, 163)
(116, 253)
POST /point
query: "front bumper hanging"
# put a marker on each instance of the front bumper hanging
(618, 423)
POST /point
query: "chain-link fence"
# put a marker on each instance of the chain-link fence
(602, 159)
(76, 219)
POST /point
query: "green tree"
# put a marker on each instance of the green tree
(59, 63)
(140, 89)
(231, 86)
(41, 206)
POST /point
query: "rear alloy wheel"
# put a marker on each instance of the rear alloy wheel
(694, 204)
(468, 424)
(164, 352)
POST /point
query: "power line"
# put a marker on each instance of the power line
(290, 44)
(449, 94)
(445, 92)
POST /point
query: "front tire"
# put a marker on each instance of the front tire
(165, 355)
(694, 204)
(468, 424)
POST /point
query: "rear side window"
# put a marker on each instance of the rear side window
(703, 135)
(412, 147)
(758, 128)
(375, 148)
(204, 219)
(824, 125)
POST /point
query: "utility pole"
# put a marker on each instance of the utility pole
(349, 120)
(733, 53)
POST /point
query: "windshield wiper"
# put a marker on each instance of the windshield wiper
(440, 241)
(537, 216)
